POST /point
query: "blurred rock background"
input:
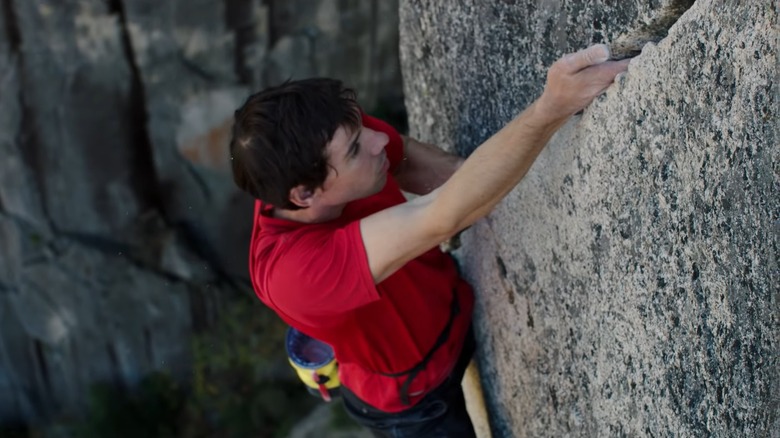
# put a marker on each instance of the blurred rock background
(627, 287)
(124, 242)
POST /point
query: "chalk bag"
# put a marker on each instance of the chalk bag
(314, 362)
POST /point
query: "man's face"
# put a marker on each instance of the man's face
(359, 165)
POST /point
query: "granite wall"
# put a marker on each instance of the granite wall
(118, 238)
(628, 285)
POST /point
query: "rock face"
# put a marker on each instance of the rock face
(119, 240)
(627, 287)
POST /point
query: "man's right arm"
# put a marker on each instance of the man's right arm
(394, 236)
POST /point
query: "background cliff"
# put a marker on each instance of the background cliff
(119, 240)
(628, 286)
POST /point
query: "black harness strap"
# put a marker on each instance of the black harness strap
(415, 370)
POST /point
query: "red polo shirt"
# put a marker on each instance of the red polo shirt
(316, 278)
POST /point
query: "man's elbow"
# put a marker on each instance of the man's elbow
(440, 224)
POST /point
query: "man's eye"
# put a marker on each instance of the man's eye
(356, 149)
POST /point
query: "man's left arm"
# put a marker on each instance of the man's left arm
(424, 167)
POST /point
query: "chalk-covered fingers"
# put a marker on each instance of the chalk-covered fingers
(576, 79)
(574, 62)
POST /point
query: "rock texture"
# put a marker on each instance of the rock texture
(627, 287)
(118, 237)
(356, 41)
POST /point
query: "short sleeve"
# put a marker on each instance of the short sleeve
(323, 272)
(395, 147)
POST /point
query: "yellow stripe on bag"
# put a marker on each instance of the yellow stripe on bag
(313, 361)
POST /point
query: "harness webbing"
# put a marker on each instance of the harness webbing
(415, 370)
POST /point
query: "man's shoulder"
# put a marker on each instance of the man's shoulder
(303, 241)
(312, 267)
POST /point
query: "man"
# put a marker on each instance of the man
(340, 255)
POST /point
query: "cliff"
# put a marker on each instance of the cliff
(627, 286)
(119, 239)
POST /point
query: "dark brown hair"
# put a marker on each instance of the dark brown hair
(280, 135)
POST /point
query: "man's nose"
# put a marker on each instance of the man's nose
(380, 141)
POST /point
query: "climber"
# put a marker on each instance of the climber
(339, 254)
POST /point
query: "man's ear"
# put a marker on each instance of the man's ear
(301, 196)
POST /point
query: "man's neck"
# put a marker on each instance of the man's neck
(310, 215)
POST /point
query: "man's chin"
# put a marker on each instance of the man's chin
(382, 182)
(378, 187)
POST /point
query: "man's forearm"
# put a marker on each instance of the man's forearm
(394, 236)
(496, 167)
(502, 161)
(425, 167)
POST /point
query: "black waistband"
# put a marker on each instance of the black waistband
(355, 404)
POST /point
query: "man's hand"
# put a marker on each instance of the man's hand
(576, 79)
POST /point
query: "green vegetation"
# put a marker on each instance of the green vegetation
(234, 389)
(151, 410)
